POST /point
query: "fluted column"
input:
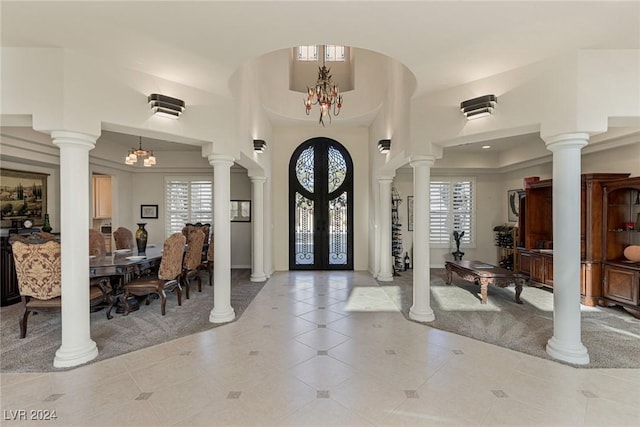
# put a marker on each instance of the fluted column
(77, 346)
(386, 267)
(421, 308)
(257, 228)
(566, 342)
(222, 311)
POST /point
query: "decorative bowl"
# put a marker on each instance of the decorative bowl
(632, 253)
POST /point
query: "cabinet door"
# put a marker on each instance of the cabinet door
(621, 284)
(102, 197)
(537, 268)
(524, 261)
(548, 270)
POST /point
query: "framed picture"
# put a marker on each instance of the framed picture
(513, 205)
(240, 211)
(23, 196)
(410, 213)
(148, 211)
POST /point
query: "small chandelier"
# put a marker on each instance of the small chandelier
(325, 93)
(135, 153)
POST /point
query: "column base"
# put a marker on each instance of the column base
(577, 355)
(422, 315)
(66, 358)
(258, 277)
(217, 316)
(385, 277)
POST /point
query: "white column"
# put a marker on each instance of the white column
(222, 311)
(386, 267)
(77, 346)
(421, 308)
(257, 228)
(566, 342)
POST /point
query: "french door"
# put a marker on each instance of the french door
(321, 206)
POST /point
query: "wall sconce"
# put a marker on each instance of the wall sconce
(384, 145)
(259, 145)
(478, 107)
(165, 106)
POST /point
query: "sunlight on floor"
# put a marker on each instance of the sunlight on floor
(368, 298)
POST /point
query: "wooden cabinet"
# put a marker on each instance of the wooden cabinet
(101, 196)
(10, 293)
(535, 253)
(621, 282)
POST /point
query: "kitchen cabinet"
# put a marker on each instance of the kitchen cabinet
(101, 196)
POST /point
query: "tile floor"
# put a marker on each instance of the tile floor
(324, 349)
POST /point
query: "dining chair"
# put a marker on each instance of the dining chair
(207, 263)
(124, 238)
(38, 269)
(97, 246)
(192, 259)
(167, 280)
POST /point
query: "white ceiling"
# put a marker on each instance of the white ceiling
(200, 44)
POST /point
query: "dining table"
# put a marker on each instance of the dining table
(125, 264)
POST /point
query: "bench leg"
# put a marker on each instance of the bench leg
(518, 291)
(449, 276)
(484, 284)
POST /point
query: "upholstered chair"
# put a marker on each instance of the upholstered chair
(168, 278)
(124, 238)
(192, 259)
(97, 246)
(38, 269)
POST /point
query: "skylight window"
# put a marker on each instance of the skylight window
(332, 53)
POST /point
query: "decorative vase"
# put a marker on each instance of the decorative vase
(47, 225)
(141, 237)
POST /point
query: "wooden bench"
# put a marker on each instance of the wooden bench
(484, 274)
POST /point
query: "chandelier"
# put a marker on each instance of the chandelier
(135, 153)
(325, 94)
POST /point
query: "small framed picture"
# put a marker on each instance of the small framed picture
(240, 211)
(513, 203)
(148, 211)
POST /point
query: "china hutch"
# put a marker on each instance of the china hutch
(621, 229)
(535, 241)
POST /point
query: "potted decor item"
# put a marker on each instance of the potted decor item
(141, 237)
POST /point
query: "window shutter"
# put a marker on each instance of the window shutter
(451, 208)
(187, 200)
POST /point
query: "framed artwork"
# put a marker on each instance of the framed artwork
(410, 213)
(23, 196)
(148, 211)
(513, 205)
(240, 210)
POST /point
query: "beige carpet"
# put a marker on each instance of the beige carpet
(122, 334)
(611, 335)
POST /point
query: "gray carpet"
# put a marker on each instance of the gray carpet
(611, 335)
(122, 334)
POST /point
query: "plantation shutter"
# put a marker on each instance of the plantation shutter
(451, 208)
(187, 200)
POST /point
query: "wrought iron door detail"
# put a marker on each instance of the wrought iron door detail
(321, 218)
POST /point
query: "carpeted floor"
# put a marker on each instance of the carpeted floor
(611, 335)
(122, 334)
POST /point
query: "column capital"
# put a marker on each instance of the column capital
(566, 140)
(220, 159)
(385, 179)
(69, 138)
(420, 160)
(257, 178)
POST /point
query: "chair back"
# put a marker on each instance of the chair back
(193, 257)
(124, 238)
(206, 229)
(172, 253)
(210, 250)
(97, 245)
(38, 268)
